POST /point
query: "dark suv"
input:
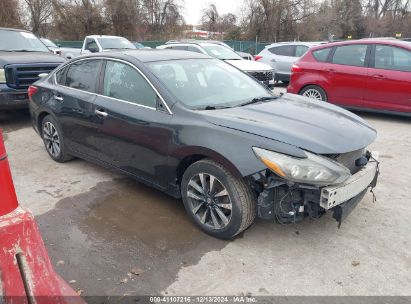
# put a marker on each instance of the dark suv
(23, 57)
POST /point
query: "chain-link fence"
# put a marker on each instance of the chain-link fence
(241, 46)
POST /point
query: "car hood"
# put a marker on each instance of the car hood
(248, 65)
(310, 125)
(29, 57)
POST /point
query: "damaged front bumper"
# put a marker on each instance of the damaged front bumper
(289, 203)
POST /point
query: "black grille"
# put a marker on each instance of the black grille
(262, 76)
(21, 76)
(349, 159)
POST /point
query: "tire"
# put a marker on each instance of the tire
(314, 92)
(53, 140)
(225, 211)
(286, 82)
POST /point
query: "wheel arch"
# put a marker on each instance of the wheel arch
(190, 155)
(40, 118)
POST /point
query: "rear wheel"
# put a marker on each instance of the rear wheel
(220, 204)
(53, 140)
(314, 92)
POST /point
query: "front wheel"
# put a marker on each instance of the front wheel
(219, 203)
(314, 92)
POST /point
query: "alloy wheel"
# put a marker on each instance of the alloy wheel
(313, 94)
(209, 201)
(51, 139)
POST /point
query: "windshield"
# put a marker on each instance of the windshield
(115, 43)
(48, 42)
(13, 41)
(220, 52)
(202, 83)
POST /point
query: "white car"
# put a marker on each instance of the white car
(260, 71)
(281, 57)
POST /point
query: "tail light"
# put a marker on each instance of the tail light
(258, 57)
(296, 69)
(31, 91)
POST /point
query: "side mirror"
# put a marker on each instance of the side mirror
(42, 75)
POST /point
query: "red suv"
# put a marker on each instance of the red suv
(367, 74)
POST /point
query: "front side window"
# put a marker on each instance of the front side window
(121, 81)
(392, 58)
(83, 75)
(202, 83)
(91, 45)
(353, 55)
(322, 54)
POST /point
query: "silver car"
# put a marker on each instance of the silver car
(281, 57)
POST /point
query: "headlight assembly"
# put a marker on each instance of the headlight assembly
(2, 76)
(314, 169)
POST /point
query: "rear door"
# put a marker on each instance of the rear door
(347, 74)
(389, 81)
(133, 123)
(74, 96)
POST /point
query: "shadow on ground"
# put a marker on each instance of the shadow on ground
(99, 238)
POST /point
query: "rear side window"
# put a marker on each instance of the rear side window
(284, 50)
(300, 50)
(84, 75)
(322, 54)
(123, 82)
(392, 58)
(353, 55)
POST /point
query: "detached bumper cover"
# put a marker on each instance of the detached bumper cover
(333, 196)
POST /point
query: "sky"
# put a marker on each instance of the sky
(193, 8)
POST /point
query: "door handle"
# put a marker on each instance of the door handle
(58, 98)
(378, 76)
(273, 60)
(101, 113)
(331, 70)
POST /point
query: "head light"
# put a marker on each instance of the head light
(2, 76)
(314, 169)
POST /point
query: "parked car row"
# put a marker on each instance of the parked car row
(262, 72)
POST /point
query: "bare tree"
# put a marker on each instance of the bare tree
(9, 14)
(210, 18)
(40, 13)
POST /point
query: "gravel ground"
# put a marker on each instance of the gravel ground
(110, 235)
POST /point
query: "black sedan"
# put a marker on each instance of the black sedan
(201, 130)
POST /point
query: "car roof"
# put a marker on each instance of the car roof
(393, 42)
(13, 29)
(152, 55)
(103, 36)
(306, 43)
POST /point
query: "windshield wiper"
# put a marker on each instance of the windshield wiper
(257, 100)
(214, 108)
